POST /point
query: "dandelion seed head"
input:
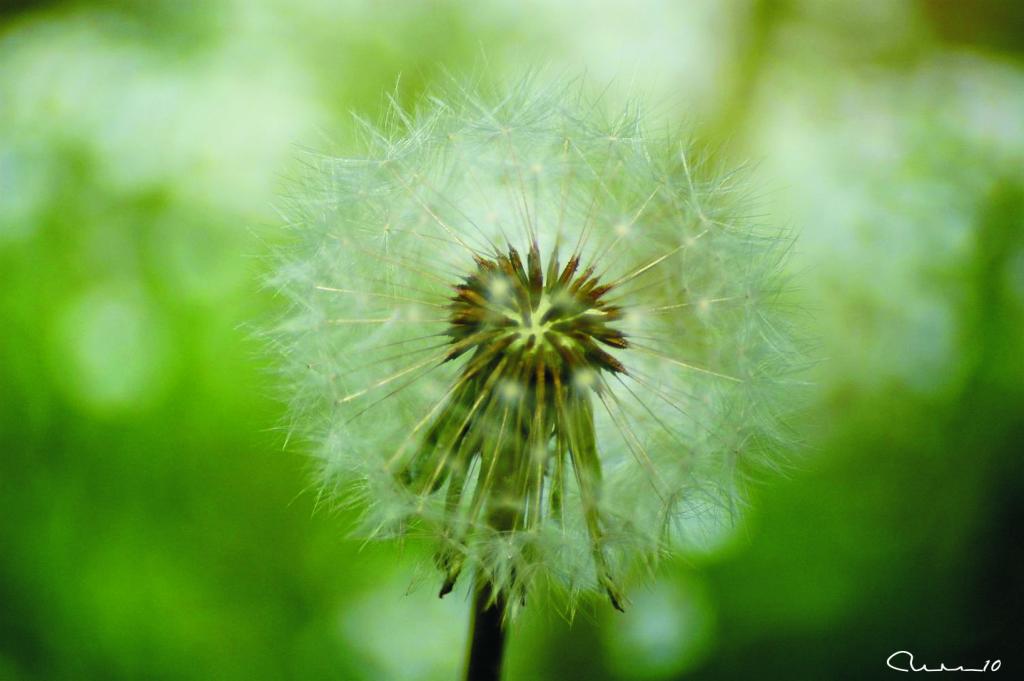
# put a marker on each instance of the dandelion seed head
(527, 329)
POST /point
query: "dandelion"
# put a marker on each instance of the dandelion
(533, 332)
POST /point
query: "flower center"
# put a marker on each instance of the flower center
(508, 308)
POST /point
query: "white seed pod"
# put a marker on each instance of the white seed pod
(533, 332)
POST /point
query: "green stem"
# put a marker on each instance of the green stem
(487, 636)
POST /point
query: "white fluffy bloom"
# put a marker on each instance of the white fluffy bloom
(533, 332)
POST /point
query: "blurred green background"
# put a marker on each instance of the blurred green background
(151, 527)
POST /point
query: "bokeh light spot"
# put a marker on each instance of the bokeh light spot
(410, 637)
(111, 351)
(666, 630)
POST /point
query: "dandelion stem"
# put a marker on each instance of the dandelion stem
(487, 635)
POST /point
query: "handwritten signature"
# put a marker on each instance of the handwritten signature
(990, 666)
